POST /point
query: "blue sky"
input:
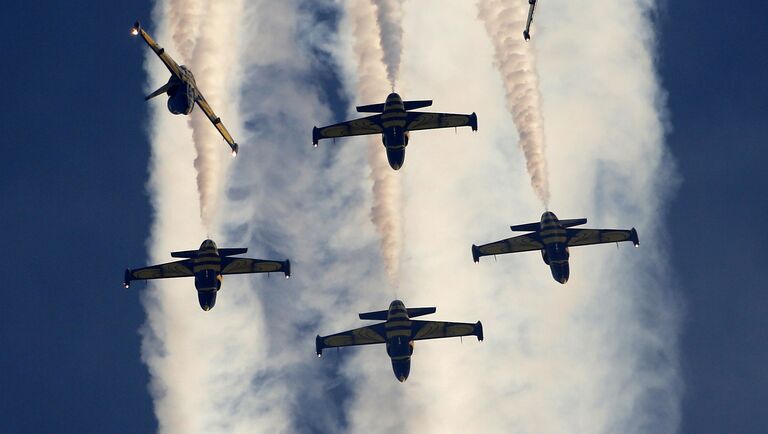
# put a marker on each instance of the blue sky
(77, 213)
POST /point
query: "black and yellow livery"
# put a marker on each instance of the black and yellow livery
(208, 265)
(181, 89)
(398, 332)
(552, 238)
(527, 31)
(394, 123)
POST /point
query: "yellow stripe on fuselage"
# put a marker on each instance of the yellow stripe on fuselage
(390, 324)
(393, 333)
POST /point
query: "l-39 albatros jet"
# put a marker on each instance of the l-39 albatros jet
(551, 237)
(527, 31)
(208, 264)
(181, 89)
(394, 123)
(398, 333)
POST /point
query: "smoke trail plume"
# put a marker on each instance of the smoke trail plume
(516, 64)
(242, 367)
(389, 15)
(203, 52)
(599, 354)
(385, 212)
(185, 18)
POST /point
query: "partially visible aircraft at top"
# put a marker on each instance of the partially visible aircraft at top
(527, 31)
(552, 238)
(182, 90)
(394, 123)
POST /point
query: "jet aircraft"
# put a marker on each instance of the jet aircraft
(527, 31)
(394, 123)
(207, 265)
(553, 239)
(398, 333)
(181, 89)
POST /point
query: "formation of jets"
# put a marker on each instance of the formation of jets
(393, 120)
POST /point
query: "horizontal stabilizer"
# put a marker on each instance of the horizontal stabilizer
(163, 89)
(528, 227)
(420, 311)
(235, 251)
(572, 222)
(371, 108)
(185, 254)
(413, 105)
(379, 315)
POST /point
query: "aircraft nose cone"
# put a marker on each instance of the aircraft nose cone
(402, 378)
(206, 308)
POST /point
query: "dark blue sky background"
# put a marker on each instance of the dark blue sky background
(76, 214)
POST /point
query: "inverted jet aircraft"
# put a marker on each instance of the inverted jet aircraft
(181, 89)
(553, 239)
(527, 31)
(398, 333)
(208, 265)
(394, 123)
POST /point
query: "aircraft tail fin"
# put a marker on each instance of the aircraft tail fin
(163, 89)
(379, 315)
(371, 108)
(413, 105)
(233, 251)
(573, 222)
(420, 311)
(185, 254)
(528, 227)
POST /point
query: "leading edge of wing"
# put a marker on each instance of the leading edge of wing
(521, 243)
(440, 329)
(355, 127)
(373, 334)
(160, 271)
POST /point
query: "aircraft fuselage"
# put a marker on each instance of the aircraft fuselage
(399, 341)
(394, 137)
(555, 252)
(207, 269)
(182, 93)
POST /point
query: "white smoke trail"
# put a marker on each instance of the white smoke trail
(185, 19)
(241, 367)
(598, 354)
(389, 16)
(385, 213)
(516, 64)
(194, 358)
(205, 54)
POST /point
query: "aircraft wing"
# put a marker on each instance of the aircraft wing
(373, 334)
(161, 271)
(356, 127)
(206, 108)
(521, 243)
(428, 121)
(231, 265)
(527, 31)
(584, 237)
(160, 51)
(437, 329)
